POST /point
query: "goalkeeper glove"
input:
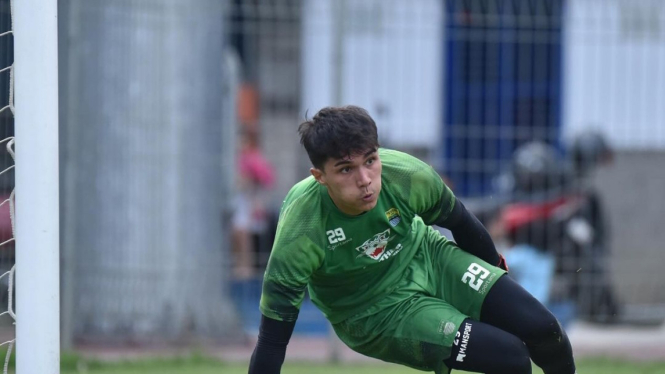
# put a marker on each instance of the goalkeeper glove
(502, 262)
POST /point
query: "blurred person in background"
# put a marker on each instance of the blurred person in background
(553, 217)
(534, 268)
(531, 267)
(256, 177)
(357, 235)
(530, 227)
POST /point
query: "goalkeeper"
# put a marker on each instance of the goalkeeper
(356, 234)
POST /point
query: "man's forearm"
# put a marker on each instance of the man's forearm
(270, 349)
(470, 235)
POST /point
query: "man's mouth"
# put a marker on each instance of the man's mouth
(368, 196)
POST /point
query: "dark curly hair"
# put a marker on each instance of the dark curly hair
(338, 132)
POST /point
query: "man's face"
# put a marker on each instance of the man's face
(353, 183)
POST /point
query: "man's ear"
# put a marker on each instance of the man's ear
(318, 175)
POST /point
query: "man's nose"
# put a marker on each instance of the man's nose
(363, 178)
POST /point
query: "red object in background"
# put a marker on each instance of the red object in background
(248, 106)
(518, 215)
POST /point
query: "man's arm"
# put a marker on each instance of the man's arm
(293, 260)
(270, 349)
(471, 235)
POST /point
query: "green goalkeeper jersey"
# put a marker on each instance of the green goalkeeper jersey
(350, 262)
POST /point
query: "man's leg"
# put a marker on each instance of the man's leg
(479, 347)
(510, 308)
(429, 334)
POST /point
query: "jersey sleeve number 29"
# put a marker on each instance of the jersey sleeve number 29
(475, 276)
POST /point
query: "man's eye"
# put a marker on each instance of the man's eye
(370, 161)
(345, 170)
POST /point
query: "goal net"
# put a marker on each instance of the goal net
(7, 263)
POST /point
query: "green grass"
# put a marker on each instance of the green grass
(203, 365)
(198, 364)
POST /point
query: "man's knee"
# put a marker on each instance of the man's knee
(546, 330)
(550, 348)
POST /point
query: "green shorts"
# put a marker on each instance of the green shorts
(416, 324)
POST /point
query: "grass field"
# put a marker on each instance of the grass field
(73, 364)
(202, 365)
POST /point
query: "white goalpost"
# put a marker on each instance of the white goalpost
(35, 71)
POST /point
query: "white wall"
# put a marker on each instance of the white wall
(614, 71)
(391, 64)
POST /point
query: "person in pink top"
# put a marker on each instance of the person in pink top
(256, 177)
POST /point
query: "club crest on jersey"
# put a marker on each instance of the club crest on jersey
(393, 216)
(377, 247)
